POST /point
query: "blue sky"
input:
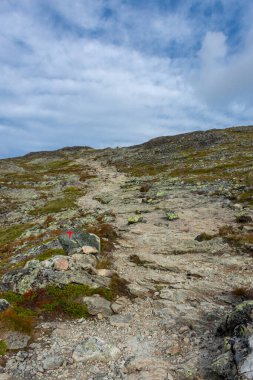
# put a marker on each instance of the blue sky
(119, 72)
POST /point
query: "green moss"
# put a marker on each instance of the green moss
(246, 196)
(143, 169)
(8, 234)
(75, 291)
(3, 347)
(72, 190)
(66, 300)
(50, 253)
(11, 297)
(24, 312)
(68, 307)
(54, 206)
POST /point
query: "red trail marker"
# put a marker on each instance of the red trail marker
(70, 233)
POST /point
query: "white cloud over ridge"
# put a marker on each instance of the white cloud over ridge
(108, 73)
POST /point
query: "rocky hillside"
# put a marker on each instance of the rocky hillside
(129, 263)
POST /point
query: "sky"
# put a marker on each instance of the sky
(120, 72)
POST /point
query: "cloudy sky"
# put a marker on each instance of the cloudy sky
(119, 72)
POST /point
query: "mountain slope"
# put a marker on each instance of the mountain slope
(175, 219)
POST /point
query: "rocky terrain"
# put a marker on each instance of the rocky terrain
(129, 263)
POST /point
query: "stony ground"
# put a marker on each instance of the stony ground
(179, 287)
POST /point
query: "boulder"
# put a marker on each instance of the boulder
(78, 240)
(35, 276)
(247, 365)
(239, 317)
(237, 359)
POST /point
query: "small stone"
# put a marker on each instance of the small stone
(52, 362)
(119, 304)
(183, 329)
(95, 349)
(61, 264)
(105, 272)
(98, 305)
(237, 206)
(89, 250)
(3, 304)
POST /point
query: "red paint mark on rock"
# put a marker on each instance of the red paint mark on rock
(70, 233)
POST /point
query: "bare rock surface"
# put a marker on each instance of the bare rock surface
(180, 288)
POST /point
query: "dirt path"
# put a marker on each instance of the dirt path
(181, 286)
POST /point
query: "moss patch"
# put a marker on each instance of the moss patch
(3, 347)
(54, 206)
(50, 253)
(8, 234)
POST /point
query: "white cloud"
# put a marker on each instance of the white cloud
(122, 86)
(214, 48)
